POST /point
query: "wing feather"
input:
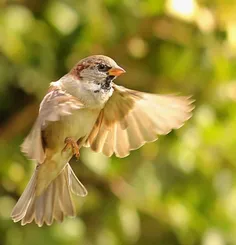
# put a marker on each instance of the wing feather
(56, 104)
(108, 147)
(122, 142)
(131, 118)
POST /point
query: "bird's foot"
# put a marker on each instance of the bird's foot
(71, 143)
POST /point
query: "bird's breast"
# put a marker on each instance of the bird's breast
(77, 126)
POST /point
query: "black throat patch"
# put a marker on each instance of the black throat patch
(106, 85)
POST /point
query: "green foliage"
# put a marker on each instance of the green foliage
(180, 190)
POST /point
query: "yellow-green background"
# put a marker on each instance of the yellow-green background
(180, 190)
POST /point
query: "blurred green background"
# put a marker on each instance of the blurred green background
(180, 190)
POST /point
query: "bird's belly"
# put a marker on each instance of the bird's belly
(77, 126)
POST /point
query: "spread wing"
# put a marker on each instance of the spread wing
(131, 118)
(56, 104)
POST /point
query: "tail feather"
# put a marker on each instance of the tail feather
(39, 206)
(57, 212)
(49, 205)
(29, 213)
(54, 203)
(76, 186)
(21, 207)
(64, 194)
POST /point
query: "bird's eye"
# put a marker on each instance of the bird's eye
(102, 67)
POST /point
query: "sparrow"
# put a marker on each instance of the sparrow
(85, 108)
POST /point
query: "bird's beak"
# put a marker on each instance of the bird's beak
(116, 71)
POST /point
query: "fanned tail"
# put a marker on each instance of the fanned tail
(54, 203)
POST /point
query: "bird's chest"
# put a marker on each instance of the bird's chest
(77, 126)
(80, 123)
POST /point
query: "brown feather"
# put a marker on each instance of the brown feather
(131, 118)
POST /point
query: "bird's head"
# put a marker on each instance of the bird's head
(98, 69)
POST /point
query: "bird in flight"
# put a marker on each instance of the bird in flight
(86, 108)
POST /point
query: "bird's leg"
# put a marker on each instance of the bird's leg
(71, 143)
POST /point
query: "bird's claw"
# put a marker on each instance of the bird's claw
(71, 143)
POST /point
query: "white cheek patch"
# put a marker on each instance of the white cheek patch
(91, 86)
